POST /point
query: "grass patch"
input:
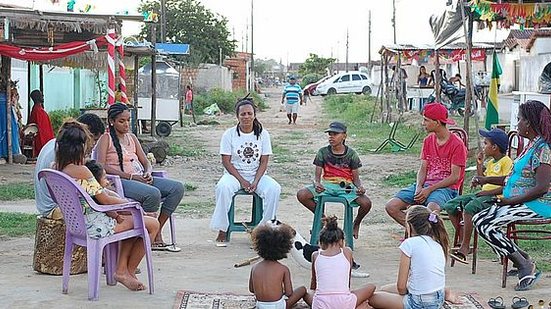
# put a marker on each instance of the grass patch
(189, 187)
(187, 150)
(17, 224)
(355, 111)
(282, 154)
(400, 180)
(16, 191)
(196, 209)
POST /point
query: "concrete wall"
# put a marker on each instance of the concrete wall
(211, 76)
(63, 87)
(531, 69)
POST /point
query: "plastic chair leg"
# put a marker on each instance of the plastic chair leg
(94, 253)
(349, 226)
(67, 258)
(316, 225)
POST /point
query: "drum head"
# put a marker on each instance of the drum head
(31, 128)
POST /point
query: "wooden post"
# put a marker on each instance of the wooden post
(388, 108)
(6, 73)
(136, 67)
(29, 68)
(41, 77)
(153, 81)
(400, 88)
(468, 79)
(437, 76)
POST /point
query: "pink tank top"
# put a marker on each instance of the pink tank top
(130, 162)
(332, 274)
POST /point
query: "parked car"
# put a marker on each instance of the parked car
(347, 82)
(310, 89)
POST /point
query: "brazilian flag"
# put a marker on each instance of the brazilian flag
(492, 115)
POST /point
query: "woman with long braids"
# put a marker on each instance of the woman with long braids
(526, 195)
(245, 151)
(120, 152)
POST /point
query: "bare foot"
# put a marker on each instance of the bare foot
(356, 231)
(130, 282)
(221, 237)
(452, 297)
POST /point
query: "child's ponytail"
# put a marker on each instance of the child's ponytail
(331, 232)
(439, 232)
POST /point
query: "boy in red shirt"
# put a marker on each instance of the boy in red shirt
(443, 160)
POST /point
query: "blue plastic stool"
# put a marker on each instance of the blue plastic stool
(256, 215)
(348, 218)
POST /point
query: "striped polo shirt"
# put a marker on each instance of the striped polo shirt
(292, 93)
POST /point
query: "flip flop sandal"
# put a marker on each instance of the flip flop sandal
(496, 303)
(159, 247)
(173, 248)
(512, 273)
(459, 257)
(526, 282)
(221, 244)
(519, 302)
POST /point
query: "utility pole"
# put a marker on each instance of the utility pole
(346, 57)
(163, 21)
(369, 44)
(394, 19)
(252, 47)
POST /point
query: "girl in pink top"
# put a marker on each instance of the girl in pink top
(331, 268)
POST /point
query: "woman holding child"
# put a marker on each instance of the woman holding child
(527, 192)
(72, 142)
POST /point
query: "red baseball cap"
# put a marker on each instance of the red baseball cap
(437, 111)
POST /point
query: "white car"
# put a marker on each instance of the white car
(348, 82)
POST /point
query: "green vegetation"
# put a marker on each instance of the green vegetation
(196, 209)
(356, 111)
(17, 224)
(282, 154)
(315, 64)
(185, 150)
(224, 99)
(16, 191)
(400, 180)
(189, 187)
(57, 117)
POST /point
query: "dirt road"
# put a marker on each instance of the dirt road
(201, 266)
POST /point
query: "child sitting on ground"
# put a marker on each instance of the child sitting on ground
(421, 276)
(339, 165)
(499, 164)
(331, 267)
(272, 243)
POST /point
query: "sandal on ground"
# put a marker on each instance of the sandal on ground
(459, 257)
(519, 302)
(496, 303)
(173, 248)
(526, 282)
(159, 246)
(221, 243)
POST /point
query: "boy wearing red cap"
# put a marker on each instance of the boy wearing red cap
(443, 159)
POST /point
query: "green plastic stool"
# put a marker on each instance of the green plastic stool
(256, 215)
(348, 218)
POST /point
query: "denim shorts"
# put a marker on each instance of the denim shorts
(424, 301)
(439, 196)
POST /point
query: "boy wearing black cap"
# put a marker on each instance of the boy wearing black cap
(337, 175)
(498, 164)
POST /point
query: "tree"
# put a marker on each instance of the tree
(189, 22)
(262, 66)
(317, 65)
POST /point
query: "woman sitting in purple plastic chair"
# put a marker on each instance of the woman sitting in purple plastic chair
(71, 145)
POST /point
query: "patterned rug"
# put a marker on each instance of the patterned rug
(468, 301)
(200, 300)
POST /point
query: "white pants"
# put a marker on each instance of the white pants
(268, 189)
(280, 304)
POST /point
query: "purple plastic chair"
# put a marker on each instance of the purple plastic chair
(115, 180)
(68, 195)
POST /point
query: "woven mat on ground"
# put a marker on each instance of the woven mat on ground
(200, 300)
(468, 301)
